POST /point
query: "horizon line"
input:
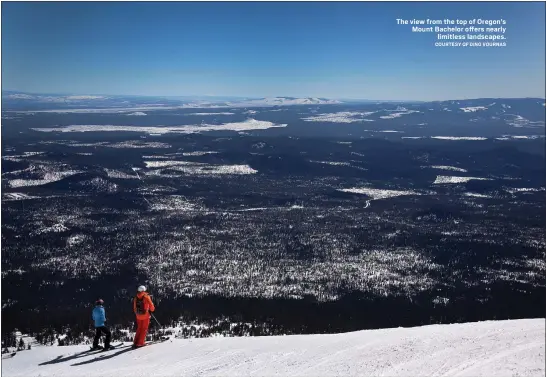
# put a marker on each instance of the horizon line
(261, 97)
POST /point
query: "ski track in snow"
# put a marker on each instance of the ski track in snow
(490, 348)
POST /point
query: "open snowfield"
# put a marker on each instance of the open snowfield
(247, 125)
(490, 348)
(378, 193)
(340, 117)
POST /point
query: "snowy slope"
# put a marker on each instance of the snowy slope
(491, 348)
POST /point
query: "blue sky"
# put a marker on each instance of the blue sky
(326, 49)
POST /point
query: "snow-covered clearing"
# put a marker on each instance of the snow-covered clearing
(112, 173)
(338, 163)
(379, 193)
(196, 168)
(473, 109)
(168, 163)
(458, 138)
(172, 203)
(17, 196)
(445, 167)
(48, 177)
(247, 125)
(205, 114)
(531, 137)
(514, 190)
(490, 348)
(198, 153)
(477, 195)
(518, 121)
(340, 117)
(398, 114)
(451, 179)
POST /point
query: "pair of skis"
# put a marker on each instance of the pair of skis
(160, 340)
(101, 349)
(121, 345)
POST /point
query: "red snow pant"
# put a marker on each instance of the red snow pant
(142, 329)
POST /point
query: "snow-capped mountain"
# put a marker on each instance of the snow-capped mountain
(491, 348)
(50, 98)
(285, 101)
(20, 100)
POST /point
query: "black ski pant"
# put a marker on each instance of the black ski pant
(98, 332)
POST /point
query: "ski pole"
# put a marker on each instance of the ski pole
(153, 316)
(161, 327)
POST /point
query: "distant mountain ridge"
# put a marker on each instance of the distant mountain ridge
(13, 100)
(287, 101)
(33, 101)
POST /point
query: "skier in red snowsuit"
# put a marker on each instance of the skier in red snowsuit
(142, 306)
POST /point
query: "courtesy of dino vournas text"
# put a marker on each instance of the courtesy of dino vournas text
(475, 33)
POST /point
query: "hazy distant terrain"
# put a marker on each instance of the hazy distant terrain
(438, 207)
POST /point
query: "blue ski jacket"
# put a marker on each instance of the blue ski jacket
(99, 316)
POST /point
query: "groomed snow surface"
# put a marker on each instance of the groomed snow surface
(490, 348)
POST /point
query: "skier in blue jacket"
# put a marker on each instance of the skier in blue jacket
(99, 316)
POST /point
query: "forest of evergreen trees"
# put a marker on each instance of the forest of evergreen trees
(219, 316)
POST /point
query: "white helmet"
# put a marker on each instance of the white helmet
(142, 288)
